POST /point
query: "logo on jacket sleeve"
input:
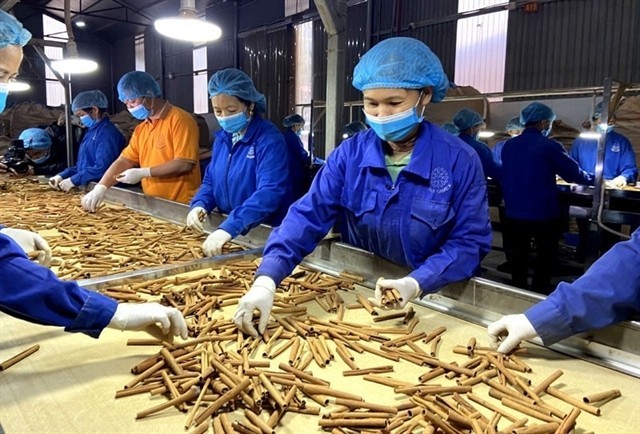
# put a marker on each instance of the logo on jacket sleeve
(440, 180)
(615, 147)
(252, 153)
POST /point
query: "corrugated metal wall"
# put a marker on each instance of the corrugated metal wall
(222, 53)
(268, 59)
(573, 43)
(415, 18)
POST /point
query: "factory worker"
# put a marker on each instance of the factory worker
(41, 157)
(298, 157)
(33, 293)
(530, 163)
(620, 166)
(470, 123)
(353, 128)
(248, 177)
(404, 189)
(514, 128)
(100, 147)
(609, 292)
(12, 38)
(450, 127)
(164, 146)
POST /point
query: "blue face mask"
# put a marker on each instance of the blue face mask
(39, 160)
(299, 132)
(234, 123)
(395, 127)
(548, 130)
(4, 92)
(140, 112)
(88, 121)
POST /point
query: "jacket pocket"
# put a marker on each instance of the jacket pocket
(434, 214)
(359, 202)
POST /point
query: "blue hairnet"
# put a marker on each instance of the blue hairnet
(36, 139)
(536, 112)
(138, 84)
(401, 63)
(90, 98)
(467, 118)
(353, 127)
(514, 124)
(291, 120)
(450, 127)
(236, 83)
(11, 31)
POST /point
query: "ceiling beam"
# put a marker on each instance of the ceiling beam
(89, 14)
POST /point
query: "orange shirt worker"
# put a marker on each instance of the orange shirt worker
(163, 151)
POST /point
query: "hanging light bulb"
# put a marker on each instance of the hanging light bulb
(187, 26)
(73, 63)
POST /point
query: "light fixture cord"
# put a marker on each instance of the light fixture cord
(67, 21)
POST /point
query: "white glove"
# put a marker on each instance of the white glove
(260, 297)
(617, 182)
(92, 200)
(193, 219)
(517, 328)
(138, 316)
(54, 181)
(30, 242)
(66, 185)
(408, 288)
(133, 176)
(212, 246)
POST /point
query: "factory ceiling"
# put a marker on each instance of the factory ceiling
(111, 20)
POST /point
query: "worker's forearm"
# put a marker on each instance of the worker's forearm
(118, 166)
(172, 168)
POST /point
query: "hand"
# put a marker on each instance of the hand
(66, 185)
(408, 288)
(193, 219)
(3, 167)
(133, 176)
(511, 330)
(260, 297)
(54, 182)
(138, 316)
(212, 246)
(30, 242)
(92, 200)
(617, 182)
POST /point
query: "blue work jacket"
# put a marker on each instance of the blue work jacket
(489, 165)
(249, 181)
(530, 163)
(434, 219)
(101, 146)
(497, 152)
(619, 158)
(609, 292)
(299, 163)
(33, 293)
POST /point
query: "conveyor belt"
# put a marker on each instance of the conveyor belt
(69, 385)
(478, 300)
